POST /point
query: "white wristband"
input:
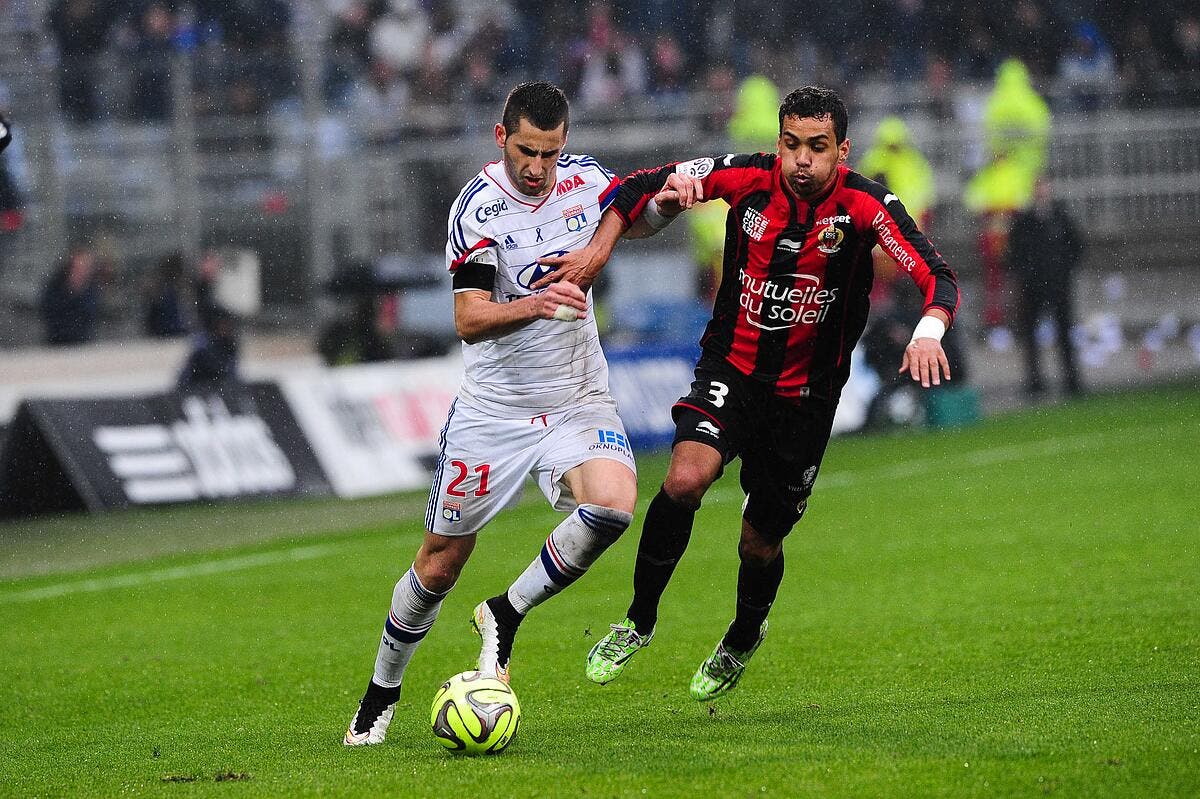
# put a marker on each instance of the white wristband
(654, 217)
(929, 327)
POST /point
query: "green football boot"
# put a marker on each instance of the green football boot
(721, 672)
(610, 654)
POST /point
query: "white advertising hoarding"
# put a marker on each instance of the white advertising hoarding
(370, 425)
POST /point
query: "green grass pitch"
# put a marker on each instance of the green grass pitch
(1011, 609)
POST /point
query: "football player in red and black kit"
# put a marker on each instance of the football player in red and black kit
(792, 303)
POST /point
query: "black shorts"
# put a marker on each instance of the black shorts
(780, 442)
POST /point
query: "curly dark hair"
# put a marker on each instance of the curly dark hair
(816, 102)
(541, 102)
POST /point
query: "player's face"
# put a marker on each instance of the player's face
(530, 155)
(809, 155)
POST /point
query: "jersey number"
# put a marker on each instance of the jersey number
(463, 471)
(718, 391)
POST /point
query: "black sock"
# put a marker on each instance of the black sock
(381, 694)
(756, 590)
(373, 703)
(665, 535)
(507, 621)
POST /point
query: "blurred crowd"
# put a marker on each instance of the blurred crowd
(383, 56)
(383, 62)
(243, 53)
(179, 298)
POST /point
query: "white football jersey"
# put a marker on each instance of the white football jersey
(547, 364)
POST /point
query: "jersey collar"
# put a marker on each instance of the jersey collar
(499, 175)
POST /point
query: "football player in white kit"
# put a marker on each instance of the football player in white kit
(534, 398)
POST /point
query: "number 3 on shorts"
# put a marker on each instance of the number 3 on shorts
(718, 391)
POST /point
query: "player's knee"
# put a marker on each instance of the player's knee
(438, 571)
(759, 551)
(614, 496)
(686, 485)
(770, 521)
(438, 578)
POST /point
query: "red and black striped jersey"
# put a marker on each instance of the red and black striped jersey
(794, 289)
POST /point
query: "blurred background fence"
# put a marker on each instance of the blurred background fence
(210, 202)
(300, 132)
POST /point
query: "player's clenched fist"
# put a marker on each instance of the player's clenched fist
(679, 193)
(563, 301)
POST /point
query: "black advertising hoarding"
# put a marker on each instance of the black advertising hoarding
(99, 454)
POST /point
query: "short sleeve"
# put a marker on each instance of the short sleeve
(466, 237)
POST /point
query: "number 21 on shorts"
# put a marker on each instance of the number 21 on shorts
(463, 470)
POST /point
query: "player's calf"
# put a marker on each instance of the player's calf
(569, 551)
(412, 612)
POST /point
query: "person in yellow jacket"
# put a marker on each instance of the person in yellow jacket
(753, 127)
(895, 162)
(1017, 136)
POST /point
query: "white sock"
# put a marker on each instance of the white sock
(568, 552)
(414, 609)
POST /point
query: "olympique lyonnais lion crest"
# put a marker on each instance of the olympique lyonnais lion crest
(830, 240)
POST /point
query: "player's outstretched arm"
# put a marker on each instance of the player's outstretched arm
(924, 357)
(477, 318)
(582, 266)
(678, 194)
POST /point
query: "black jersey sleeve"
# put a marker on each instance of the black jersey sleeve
(898, 235)
(637, 189)
(725, 177)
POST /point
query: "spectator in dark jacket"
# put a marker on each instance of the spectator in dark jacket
(70, 301)
(213, 361)
(152, 65)
(164, 311)
(1044, 248)
(80, 29)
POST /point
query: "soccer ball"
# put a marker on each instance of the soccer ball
(474, 714)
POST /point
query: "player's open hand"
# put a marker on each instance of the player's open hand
(926, 361)
(563, 301)
(679, 193)
(579, 267)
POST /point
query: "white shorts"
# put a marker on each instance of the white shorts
(484, 460)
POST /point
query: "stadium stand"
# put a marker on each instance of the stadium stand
(318, 133)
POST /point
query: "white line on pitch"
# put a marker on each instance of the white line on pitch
(164, 575)
(969, 459)
(972, 458)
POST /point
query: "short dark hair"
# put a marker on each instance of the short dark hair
(815, 102)
(541, 102)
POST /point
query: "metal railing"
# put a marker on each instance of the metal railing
(306, 186)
